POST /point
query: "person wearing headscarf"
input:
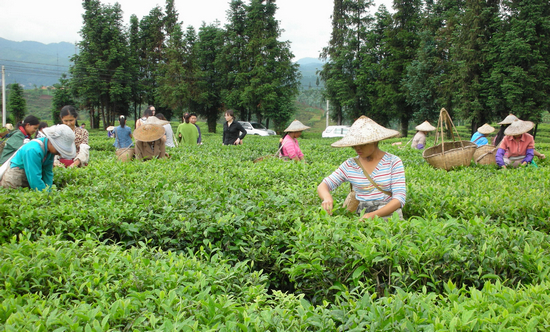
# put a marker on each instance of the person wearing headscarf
(517, 147)
(419, 139)
(22, 134)
(377, 177)
(151, 139)
(289, 147)
(480, 136)
(32, 164)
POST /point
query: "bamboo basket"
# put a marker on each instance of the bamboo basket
(485, 155)
(448, 155)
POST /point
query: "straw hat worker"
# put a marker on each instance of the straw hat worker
(151, 139)
(419, 140)
(517, 147)
(289, 142)
(385, 192)
(480, 136)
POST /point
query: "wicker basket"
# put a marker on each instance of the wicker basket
(451, 154)
(485, 155)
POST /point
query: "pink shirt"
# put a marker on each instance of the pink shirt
(291, 148)
(515, 148)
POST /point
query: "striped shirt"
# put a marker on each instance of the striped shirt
(389, 174)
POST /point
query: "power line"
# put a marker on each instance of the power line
(34, 63)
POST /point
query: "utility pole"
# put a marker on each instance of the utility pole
(327, 113)
(3, 97)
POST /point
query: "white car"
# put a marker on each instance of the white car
(255, 128)
(335, 131)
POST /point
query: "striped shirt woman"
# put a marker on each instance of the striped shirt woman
(389, 174)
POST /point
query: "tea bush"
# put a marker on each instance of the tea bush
(120, 245)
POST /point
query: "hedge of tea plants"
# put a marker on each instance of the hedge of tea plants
(208, 240)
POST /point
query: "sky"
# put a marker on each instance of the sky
(306, 23)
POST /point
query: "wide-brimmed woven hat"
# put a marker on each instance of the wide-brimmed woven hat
(9, 126)
(156, 121)
(296, 126)
(508, 120)
(364, 130)
(149, 132)
(110, 128)
(518, 127)
(62, 138)
(425, 126)
(486, 129)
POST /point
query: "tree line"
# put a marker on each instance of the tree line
(155, 61)
(480, 59)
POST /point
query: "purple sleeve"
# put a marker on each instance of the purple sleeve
(529, 154)
(500, 157)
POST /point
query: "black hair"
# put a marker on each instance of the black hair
(193, 114)
(500, 135)
(148, 112)
(83, 124)
(122, 121)
(160, 116)
(230, 113)
(29, 120)
(186, 117)
(69, 110)
(42, 125)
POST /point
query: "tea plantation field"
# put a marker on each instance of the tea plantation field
(210, 241)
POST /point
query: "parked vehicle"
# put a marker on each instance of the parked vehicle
(335, 131)
(255, 128)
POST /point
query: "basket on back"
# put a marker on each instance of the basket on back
(485, 155)
(448, 155)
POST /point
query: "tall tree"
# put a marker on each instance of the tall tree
(152, 38)
(344, 55)
(402, 44)
(210, 81)
(100, 76)
(17, 105)
(520, 80)
(471, 51)
(62, 96)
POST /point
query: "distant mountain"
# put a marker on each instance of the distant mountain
(34, 64)
(309, 68)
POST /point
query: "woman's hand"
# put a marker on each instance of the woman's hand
(76, 163)
(327, 205)
(238, 141)
(369, 215)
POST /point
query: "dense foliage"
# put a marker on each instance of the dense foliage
(209, 240)
(479, 59)
(242, 66)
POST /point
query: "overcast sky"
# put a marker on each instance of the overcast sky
(306, 23)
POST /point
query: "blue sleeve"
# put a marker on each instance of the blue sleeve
(47, 170)
(500, 157)
(529, 154)
(32, 163)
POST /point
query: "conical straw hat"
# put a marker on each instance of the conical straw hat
(425, 126)
(296, 126)
(149, 132)
(156, 121)
(519, 127)
(364, 130)
(508, 120)
(486, 129)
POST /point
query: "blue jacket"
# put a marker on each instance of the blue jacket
(37, 163)
(482, 139)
